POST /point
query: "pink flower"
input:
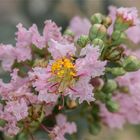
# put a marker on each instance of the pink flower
(87, 67)
(11, 129)
(39, 77)
(16, 80)
(23, 53)
(16, 88)
(80, 26)
(7, 56)
(62, 128)
(90, 64)
(23, 36)
(51, 31)
(24, 42)
(58, 50)
(18, 108)
(37, 39)
(133, 32)
(50, 81)
(82, 90)
(129, 14)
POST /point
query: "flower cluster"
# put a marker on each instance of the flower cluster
(55, 72)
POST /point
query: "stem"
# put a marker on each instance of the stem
(45, 128)
(32, 137)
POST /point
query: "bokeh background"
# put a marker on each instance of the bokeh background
(61, 11)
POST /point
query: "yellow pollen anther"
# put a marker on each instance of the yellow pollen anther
(63, 68)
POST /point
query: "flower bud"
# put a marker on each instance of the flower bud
(2, 123)
(36, 116)
(68, 32)
(40, 63)
(98, 42)
(118, 71)
(82, 41)
(97, 83)
(96, 18)
(107, 21)
(101, 96)
(95, 110)
(112, 106)
(120, 25)
(124, 89)
(126, 17)
(97, 31)
(110, 86)
(114, 53)
(71, 104)
(131, 63)
(118, 37)
(94, 128)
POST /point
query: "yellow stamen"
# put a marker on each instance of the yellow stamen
(63, 67)
(64, 73)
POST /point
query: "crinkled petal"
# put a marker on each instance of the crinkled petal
(58, 50)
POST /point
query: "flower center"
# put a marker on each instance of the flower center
(63, 67)
(64, 72)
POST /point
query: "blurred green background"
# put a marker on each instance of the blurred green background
(61, 11)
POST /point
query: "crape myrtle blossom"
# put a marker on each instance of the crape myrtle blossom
(50, 31)
(26, 38)
(63, 76)
(16, 106)
(18, 93)
(18, 99)
(133, 32)
(11, 125)
(87, 67)
(15, 83)
(62, 127)
(129, 15)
